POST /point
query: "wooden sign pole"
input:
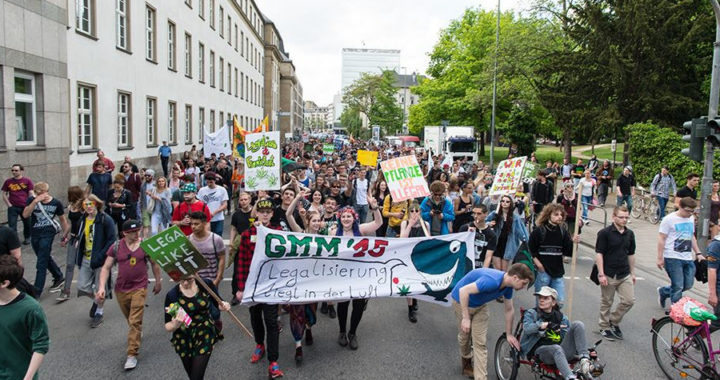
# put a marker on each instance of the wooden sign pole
(217, 298)
(578, 212)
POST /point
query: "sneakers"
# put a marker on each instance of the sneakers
(234, 302)
(612, 333)
(130, 363)
(415, 304)
(586, 222)
(298, 356)
(62, 297)
(342, 339)
(616, 331)
(93, 309)
(26, 242)
(57, 285)
(274, 371)
(308, 337)
(96, 320)
(412, 315)
(331, 312)
(467, 368)
(608, 334)
(352, 341)
(661, 297)
(258, 353)
(584, 366)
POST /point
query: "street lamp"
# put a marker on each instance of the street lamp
(494, 96)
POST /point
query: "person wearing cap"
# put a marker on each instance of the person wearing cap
(131, 283)
(181, 214)
(216, 198)
(625, 187)
(549, 335)
(689, 190)
(264, 317)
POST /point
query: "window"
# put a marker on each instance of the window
(201, 9)
(229, 78)
(188, 55)
(188, 124)
(212, 13)
(172, 46)
(247, 49)
(85, 17)
(221, 122)
(229, 30)
(242, 44)
(221, 77)
(201, 62)
(242, 80)
(172, 126)
(212, 68)
(123, 119)
(212, 121)
(201, 122)
(221, 22)
(25, 103)
(151, 120)
(236, 37)
(85, 116)
(122, 32)
(236, 82)
(150, 50)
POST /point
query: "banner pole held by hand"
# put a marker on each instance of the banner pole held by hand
(218, 300)
(578, 212)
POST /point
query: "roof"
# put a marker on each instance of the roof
(406, 81)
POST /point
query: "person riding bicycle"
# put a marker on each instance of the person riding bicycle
(549, 335)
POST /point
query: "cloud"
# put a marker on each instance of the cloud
(315, 32)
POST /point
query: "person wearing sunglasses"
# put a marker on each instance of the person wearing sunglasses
(413, 227)
(15, 192)
(510, 229)
(437, 210)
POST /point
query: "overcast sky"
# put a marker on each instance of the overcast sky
(316, 31)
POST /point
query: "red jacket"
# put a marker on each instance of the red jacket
(183, 209)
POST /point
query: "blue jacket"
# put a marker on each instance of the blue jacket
(518, 233)
(532, 333)
(447, 211)
(104, 235)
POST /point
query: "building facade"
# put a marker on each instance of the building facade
(404, 96)
(274, 55)
(159, 72)
(34, 92)
(316, 117)
(290, 117)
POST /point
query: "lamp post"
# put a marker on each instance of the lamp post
(494, 96)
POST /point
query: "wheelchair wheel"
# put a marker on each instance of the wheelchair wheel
(506, 360)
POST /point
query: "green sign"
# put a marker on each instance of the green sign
(328, 148)
(530, 172)
(175, 254)
(308, 147)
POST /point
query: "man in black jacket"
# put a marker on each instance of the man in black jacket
(541, 192)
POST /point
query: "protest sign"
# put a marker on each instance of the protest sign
(217, 142)
(404, 178)
(174, 253)
(367, 157)
(295, 268)
(262, 161)
(530, 172)
(508, 175)
(307, 147)
(328, 149)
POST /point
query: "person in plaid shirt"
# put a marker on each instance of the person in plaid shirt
(259, 313)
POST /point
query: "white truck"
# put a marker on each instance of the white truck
(454, 142)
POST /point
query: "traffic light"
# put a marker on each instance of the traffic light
(714, 131)
(698, 132)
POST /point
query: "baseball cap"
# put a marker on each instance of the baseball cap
(264, 204)
(628, 168)
(189, 188)
(547, 292)
(131, 225)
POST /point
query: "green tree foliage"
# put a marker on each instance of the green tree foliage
(373, 96)
(352, 121)
(521, 129)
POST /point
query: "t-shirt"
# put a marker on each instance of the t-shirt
(241, 220)
(24, 330)
(605, 172)
(184, 209)
(40, 224)
(89, 229)
(626, 183)
(488, 282)
(686, 192)
(214, 198)
(587, 190)
(211, 252)
(18, 190)
(713, 259)
(485, 240)
(679, 232)
(164, 151)
(132, 267)
(8, 240)
(361, 189)
(578, 170)
(548, 244)
(100, 184)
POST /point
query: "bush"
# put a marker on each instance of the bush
(652, 147)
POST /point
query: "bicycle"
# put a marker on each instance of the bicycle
(508, 360)
(645, 206)
(680, 351)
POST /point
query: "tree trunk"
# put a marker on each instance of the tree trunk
(482, 143)
(567, 142)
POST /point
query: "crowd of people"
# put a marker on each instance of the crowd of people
(103, 222)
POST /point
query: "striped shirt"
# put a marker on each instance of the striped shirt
(211, 252)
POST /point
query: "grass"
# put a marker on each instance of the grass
(605, 153)
(543, 153)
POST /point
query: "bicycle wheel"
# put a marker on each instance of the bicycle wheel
(654, 212)
(638, 207)
(677, 357)
(506, 360)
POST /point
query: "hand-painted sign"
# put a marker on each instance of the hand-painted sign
(218, 142)
(293, 268)
(174, 253)
(508, 175)
(404, 178)
(328, 149)
(262, 161)
(530, 172)
(367, 158)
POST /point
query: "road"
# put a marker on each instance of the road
(390, 346)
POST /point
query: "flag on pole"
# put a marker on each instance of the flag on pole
(264, 125)
(238, 139)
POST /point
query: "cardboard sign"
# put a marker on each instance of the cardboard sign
(174, 253)
(295, 268)
(262, 161)
(404, 178)
(508, 176)
(530, 172)
(328, 149)
(367, 157)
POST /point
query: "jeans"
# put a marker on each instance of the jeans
(573, 344)
(662, 206)
(267, 314)
(557, 283)
(70, 262)
(156, 225)
(627, 199)
(391, 233)
(682, 276)
(362, 211)
(13, 213)
(217, 227)
(42, 245)
(164, 163)
(586, 200)
(602, 193)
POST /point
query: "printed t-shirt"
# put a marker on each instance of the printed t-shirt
(42, 225)
(89, 229)
(18, 190)
(214, 198)
(132, 267)
(679, 232)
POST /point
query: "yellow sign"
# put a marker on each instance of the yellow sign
(367, 157)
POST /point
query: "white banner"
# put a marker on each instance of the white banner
(295, 268)
(218, 142)
(262, 161)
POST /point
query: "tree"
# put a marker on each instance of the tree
(521, 129)
(352, 122)
(373, 96)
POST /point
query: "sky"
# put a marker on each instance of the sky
(315, 32)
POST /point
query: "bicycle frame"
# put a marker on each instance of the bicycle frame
(704, 331)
